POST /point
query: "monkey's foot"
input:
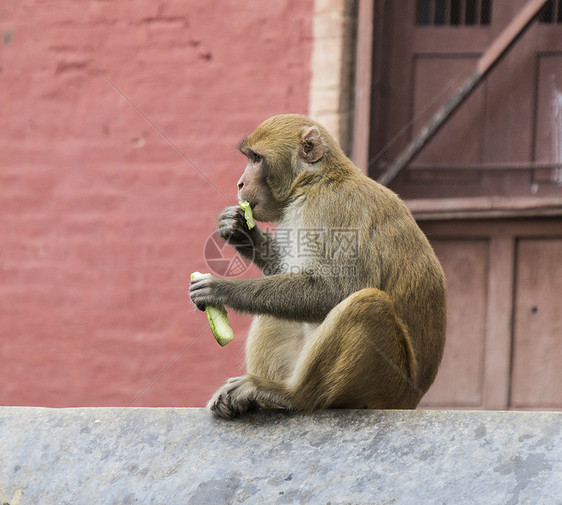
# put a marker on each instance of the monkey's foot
(234, 398)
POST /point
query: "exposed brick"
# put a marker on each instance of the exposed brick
(330, 91)
(331, 120)
(322, 6)
(329, 25)
(324, 100)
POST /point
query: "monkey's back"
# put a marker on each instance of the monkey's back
(412, 276)
(393, 255)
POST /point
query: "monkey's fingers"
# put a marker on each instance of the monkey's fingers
(216, 314)
(232, 213)
(232, 225)
(200, 305)
(198, 298)
(199, 290)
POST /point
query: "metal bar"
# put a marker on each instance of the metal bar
(455, 13)
(484, 9)
(432, 12)
(472, 9)
(439, 12)
(489, 59)
(478, 13)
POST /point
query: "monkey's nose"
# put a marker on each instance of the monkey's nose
(240, 185)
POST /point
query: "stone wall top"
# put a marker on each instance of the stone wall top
(185, 456)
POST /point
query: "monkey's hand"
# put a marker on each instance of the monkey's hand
(256, 245)
(207, 291)
(233, 228)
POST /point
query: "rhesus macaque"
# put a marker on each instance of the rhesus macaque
(350, 311)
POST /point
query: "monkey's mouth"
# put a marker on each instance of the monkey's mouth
(253, 207)
(252, 204)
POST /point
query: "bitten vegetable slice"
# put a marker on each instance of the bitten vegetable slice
(218, 320)
(245, 206)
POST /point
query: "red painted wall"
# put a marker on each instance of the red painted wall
(118, 127)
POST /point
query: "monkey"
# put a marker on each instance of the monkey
(350, 310)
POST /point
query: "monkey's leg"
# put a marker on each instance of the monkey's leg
(360, 356)
(272, 350)
(273, 347)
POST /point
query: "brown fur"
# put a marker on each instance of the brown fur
(371, 336)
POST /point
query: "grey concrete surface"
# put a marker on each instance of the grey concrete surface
(185, 456)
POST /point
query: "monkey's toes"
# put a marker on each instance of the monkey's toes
(221, 407)
(229, 401)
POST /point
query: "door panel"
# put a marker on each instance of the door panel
(537, 343)
(548, 133)
(430, 93)
(459, 381)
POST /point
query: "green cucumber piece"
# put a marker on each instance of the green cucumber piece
(217, 317)
(244, 205)
(218, 321)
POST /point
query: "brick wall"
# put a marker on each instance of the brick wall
(114, 115)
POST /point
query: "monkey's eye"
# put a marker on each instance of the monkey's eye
(255, 158)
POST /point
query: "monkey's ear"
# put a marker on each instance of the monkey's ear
(312, 148)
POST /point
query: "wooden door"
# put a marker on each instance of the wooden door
(507, 138)
(502, 147)
(504, 331)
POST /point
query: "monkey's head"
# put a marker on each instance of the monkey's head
(279, 151)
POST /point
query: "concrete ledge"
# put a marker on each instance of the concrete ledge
(184, 456)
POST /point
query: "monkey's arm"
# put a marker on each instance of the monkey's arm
(298, 297)
(255, 244)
